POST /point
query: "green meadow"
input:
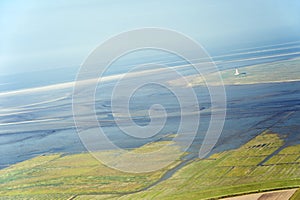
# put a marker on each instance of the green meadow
(262, 164)
(60, 176)
(248, 169)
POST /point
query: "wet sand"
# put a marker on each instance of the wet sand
(42, 122)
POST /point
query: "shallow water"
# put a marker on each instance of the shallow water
(36, 109)
(250, 110)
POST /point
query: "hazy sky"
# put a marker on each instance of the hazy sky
(35, 35)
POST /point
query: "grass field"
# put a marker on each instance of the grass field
(296, 196)
(61, 176)
(248, 169)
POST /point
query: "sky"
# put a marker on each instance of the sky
(38, 35)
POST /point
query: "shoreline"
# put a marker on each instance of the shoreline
(216, 162)
(266, 73)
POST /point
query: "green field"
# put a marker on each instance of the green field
(63, 176)
(296, 196)
(248, 169)
(244, 170)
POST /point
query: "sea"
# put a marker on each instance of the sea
(36, 115)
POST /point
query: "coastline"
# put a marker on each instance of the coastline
(271, 72)
(236, 102)
(223, 170)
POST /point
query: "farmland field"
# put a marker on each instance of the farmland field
(248, 169)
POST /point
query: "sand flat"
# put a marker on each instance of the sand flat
(276, 72)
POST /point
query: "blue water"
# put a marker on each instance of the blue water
(34, 123)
